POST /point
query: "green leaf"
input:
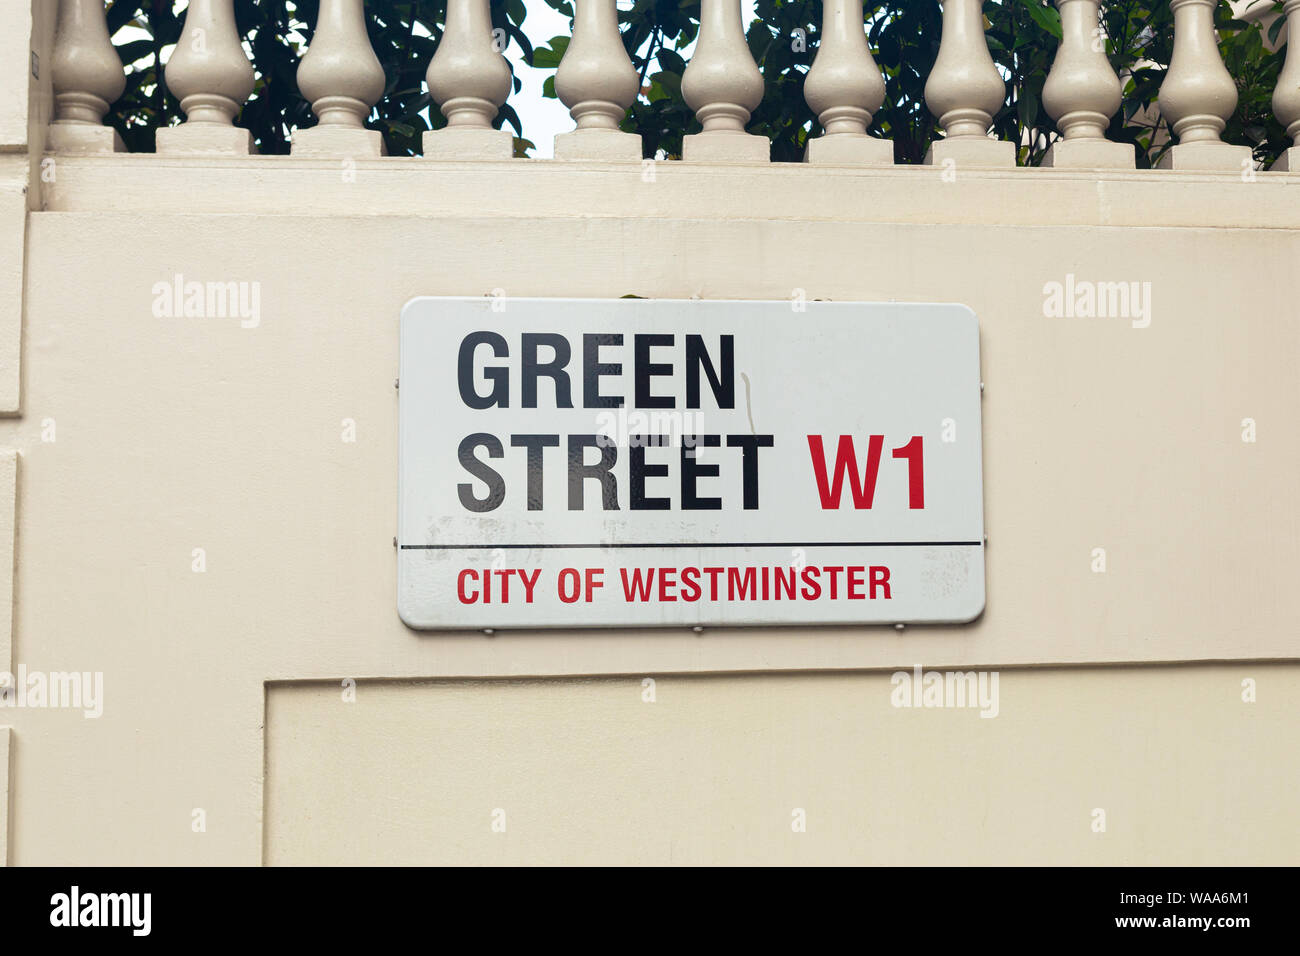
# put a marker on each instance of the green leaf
(1027, 109)
(120, 14)
(548, 57)
(1275, 30)
(671, 62)
(1045, 16)
(134, 51)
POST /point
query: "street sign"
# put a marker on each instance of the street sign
(635, 462)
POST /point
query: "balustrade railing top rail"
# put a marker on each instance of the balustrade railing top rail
(469, 80)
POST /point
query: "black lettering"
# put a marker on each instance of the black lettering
(580, 471)
(749, 445)
(496, 485)
(645, 370)
(724, 384)
(499, 376)
(692, 469)
(640, 471)
(593, 368)
(534, 444)
(554, 369)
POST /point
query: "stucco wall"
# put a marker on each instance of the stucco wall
(172, 434)
(786, 769)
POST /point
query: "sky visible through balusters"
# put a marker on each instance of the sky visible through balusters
(542, 118)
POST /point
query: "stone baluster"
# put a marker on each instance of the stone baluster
(343, 79)
(469, 79)
(965, 90)
(1198, 94)
(597, 82)
(211, 76)
(88, 78)
(844, 88)
(1082, 93)
(723, 86)
(1286, 97)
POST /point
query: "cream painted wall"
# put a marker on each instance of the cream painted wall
(4, 796)
(175, 434)
(716, 768)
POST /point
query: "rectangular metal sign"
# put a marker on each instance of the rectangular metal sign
(634, 462)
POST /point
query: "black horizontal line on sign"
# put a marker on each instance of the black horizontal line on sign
(709, 544)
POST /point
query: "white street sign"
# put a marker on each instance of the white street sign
(634, 462)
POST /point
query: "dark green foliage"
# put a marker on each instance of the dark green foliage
(279, 32)
(904, 37)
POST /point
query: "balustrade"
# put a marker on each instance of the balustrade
(597, 82)
(469, 80)
(1286, 97)
(844, 88)
(211, 76)
(88, 77)
(1198, 94)
(1082, 93)
(965, 90)
(343, 79)
(722, 84)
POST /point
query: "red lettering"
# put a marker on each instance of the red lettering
(713, 581)
(811, 589)
(745, 585)
(834, 571)
(667, 579)
(855, 582)
(691, 580)
(529, 582)
(846, 461)
(565, 595)
(782, 584)
(879, 577)
(460, 586)
(915, 472)
(636, 589)
(595, 581)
